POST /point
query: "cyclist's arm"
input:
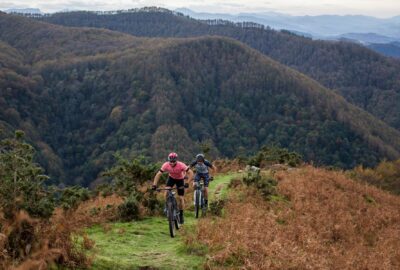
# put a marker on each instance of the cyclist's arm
(157, 177)
(211, 166)
(189, 173)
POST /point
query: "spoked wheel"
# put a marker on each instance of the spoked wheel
(203, 207)
(177, 221)
(196, 203)
(171, 218)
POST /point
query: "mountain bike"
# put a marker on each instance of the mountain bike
(198, 198)
(172, 211)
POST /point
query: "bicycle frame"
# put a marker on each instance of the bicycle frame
(172, 210)
(198, 198)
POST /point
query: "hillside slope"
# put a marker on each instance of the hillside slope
(365, 78)
(319, 220)
(146, 96)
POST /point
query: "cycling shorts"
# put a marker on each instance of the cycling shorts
(206, 177)
(179, 183)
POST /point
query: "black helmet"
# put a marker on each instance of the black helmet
(199, 157)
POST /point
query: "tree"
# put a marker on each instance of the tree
(21, 180)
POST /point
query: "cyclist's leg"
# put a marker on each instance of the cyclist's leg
(170, 184)
(181, 193)
(181, 201)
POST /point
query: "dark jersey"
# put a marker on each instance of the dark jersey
(201, 167)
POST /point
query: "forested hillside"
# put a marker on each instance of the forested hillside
(83, 94)
(365, 78)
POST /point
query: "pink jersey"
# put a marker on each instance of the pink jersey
(177, 172)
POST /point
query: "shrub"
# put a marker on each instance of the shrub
(217, 206)
(386, 175)
(153, 203)
(104, 189)
(21, 180)
(71, 197)
(129, 209)
(127, 176)
(265, 183)
(269, 155)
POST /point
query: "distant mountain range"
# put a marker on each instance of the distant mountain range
(360, 29)
(24, 10)
(323, 26)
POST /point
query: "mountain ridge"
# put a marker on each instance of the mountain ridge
(365, 78)
(127, 99)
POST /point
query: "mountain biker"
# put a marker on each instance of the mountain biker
(176, 174)
(201, 165)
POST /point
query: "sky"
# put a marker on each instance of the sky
(376, 8)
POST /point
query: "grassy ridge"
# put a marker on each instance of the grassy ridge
(139, 244)
(146, 243)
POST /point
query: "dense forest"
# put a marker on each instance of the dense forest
(389, 49)
(365, 78)
(82, 94)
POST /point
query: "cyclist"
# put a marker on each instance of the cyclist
(201, 165)
(176, 174)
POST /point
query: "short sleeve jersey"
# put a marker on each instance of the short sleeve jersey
(201, 167)
(177, 172)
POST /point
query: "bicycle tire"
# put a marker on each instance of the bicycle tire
(197, 203)
(177, 220)
(171, 218)
(203, 205)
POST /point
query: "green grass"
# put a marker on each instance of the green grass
(221, 180)
(146, 243)
(133, 245)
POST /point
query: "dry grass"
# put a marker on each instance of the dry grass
(226, 165)
(30, 244)
(329, 222)
(37, 244)
(94, 211)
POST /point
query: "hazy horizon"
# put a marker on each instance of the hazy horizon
(379, 9)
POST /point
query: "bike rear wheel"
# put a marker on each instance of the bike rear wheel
(171, 218)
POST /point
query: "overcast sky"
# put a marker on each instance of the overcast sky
(377, 8)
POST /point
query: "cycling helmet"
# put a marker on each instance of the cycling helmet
(172, 157)
(199, 157)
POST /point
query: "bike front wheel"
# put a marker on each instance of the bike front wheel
(197, 199)
(171, 218)
(203, 205)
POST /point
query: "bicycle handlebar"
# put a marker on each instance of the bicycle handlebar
(170, 188)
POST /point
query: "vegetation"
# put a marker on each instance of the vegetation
(319, 219)
(71, 197)
(128, 178)
(269, 155)
(365, 78)
(386, 175)
(146, 242)
(23, 197)
(147, 97)
(22, 181)
(263, 182)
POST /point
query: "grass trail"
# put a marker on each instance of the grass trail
(146, 244)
